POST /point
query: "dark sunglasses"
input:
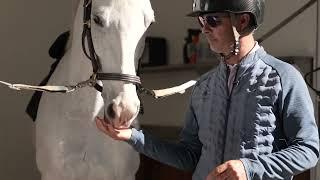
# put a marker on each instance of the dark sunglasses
(211, 20)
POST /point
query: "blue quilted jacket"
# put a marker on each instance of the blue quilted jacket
(267, 122)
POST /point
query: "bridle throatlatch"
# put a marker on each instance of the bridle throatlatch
(87, 43)
(236, 45)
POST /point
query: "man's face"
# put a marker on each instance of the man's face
(218, 30)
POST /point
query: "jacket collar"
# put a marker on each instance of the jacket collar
(248, 61)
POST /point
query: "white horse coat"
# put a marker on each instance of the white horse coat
(68, 144)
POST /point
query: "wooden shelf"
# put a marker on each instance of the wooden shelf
(184, 67)
(178, 67)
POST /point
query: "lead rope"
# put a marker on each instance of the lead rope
(159, 93)
(52, 89)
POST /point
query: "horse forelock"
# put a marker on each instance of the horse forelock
(114, 8)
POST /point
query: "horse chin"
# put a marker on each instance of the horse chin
(124, 122)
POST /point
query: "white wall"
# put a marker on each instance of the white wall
(27, 30)
(298, 38)
(316, 173)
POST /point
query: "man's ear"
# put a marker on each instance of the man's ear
(243, 22)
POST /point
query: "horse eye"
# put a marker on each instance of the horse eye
(98, 20)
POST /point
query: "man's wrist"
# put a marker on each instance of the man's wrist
(137, 137)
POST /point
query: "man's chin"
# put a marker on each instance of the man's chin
(215, 50)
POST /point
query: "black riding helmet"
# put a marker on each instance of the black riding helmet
(254, 7)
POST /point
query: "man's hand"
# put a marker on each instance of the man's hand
(230, 170)
(108, 129)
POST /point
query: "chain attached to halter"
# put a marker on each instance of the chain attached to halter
(91, 82)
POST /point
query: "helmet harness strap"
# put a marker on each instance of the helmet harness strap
(236, 45)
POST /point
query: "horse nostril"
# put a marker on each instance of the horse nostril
(110, 111)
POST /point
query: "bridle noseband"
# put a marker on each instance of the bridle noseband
(94, 58)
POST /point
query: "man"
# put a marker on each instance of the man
(250, 118)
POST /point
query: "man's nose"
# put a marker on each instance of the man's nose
(206, 28)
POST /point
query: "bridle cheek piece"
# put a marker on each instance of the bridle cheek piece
(94, 58)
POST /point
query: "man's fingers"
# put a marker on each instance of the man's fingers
(101, 126)
(222, 176)
(220, 169)
(108, 129)
(103, 121)
(105, 127)
(220, 173)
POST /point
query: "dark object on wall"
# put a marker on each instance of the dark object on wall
(56, 51)
(192, 37)
(155, 52)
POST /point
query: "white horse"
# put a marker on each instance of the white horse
(68, 144)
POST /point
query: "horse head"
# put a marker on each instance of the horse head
(118, 28)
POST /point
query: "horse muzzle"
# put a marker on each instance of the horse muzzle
(122, 111)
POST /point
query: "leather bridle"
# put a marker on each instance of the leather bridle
(94, 58)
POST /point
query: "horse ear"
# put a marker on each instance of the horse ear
(148, 17)
(75, 5)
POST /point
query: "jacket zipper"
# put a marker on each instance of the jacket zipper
(234, 84)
